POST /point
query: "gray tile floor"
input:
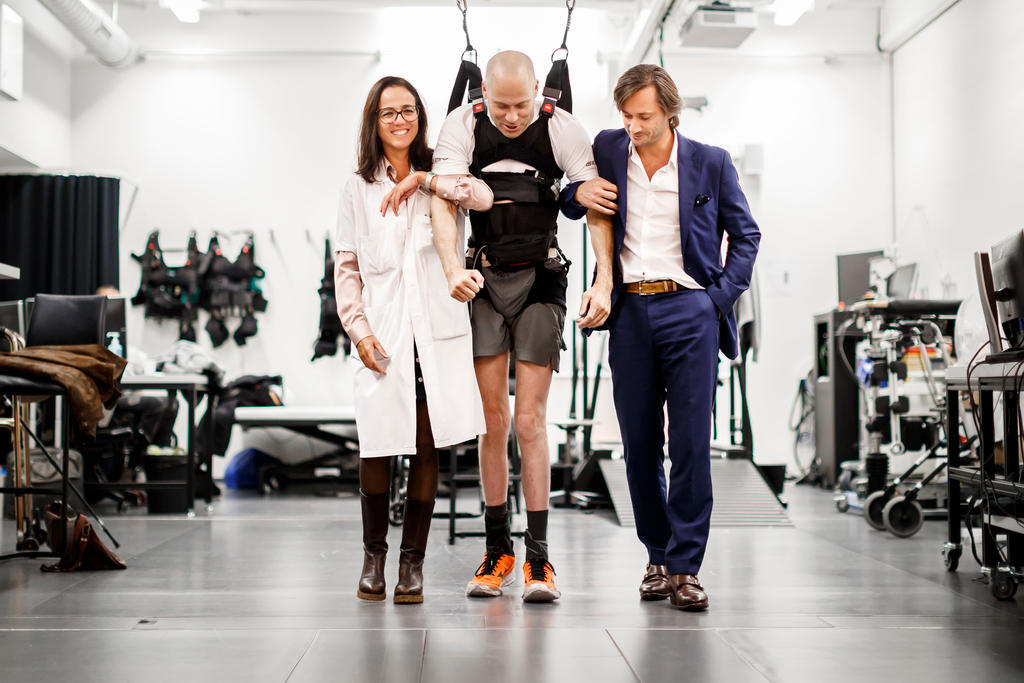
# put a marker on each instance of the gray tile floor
(263, 589)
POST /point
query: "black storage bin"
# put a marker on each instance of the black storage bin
(166, 468)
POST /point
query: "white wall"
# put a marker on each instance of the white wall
(959, 143)
(37, 128)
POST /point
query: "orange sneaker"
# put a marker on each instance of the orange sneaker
(540, 581)
(495, 571)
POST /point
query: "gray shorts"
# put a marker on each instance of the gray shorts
(503, 321)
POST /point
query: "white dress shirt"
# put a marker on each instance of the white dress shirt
(652, 249)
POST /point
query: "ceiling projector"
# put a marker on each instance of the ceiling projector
(718, 25)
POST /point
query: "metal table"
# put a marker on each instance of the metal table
(190, 386)
(307, 420)
(987, 379)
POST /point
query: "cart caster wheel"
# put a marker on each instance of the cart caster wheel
(396, 514)
(902, 517)
(842, 504)
(951, 558)
(873, 506)
(28, 544)
(1003, 585)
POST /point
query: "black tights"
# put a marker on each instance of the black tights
(375, 473)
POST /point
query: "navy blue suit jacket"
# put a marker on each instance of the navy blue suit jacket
(703, 170)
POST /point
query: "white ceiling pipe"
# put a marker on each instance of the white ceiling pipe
(889, 42)
(96, 29)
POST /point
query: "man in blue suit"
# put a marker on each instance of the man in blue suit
(660, 274)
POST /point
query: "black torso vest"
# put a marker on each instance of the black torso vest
(519, 229)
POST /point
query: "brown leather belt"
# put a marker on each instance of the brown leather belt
(646, 287)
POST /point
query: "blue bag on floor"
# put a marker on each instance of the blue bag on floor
(243, 472)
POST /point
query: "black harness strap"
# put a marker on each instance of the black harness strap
(469, 79)
(527, 187)
(467, 82)
(557, 89)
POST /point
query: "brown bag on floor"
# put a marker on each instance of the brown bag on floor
(83, 549)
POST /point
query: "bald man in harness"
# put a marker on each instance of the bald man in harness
(515, 275)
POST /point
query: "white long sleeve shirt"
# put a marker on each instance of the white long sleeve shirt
(652, 249)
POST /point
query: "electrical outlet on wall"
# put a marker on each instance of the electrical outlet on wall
(12, 52)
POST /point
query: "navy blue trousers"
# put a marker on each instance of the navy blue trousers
(663, 349)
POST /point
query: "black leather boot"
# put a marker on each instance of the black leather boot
(415, 529)
(375, 545)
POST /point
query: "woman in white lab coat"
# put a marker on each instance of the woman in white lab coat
(416, 389)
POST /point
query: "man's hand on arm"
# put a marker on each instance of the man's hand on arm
(463, 284)
(598, 195)
(595, 305)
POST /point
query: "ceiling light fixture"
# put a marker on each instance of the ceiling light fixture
(187, 11)
(788, 12)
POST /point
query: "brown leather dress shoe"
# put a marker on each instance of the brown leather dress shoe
(655, 584)
(687, 593)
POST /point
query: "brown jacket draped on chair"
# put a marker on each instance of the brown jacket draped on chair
(89, 373)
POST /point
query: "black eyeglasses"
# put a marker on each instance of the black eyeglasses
(407, 113)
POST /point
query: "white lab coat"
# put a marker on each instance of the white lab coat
(405, 294)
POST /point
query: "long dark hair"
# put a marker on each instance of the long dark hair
(371, 151)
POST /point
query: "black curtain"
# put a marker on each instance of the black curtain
(61, 231)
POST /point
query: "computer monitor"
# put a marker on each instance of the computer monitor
(115, 321)
(854, 271)
(900, 285)
(26, 317)
(987, 294)
(1005, 257)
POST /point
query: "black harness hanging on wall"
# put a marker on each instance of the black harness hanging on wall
(169, 293)
(519, 229)
(330, 324)
(230, 289)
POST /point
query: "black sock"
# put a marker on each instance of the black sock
(497, 527)
(536, 534)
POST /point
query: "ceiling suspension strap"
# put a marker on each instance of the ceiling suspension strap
(557, 89)
(570, 5)
(461, 4)
(469, 78)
